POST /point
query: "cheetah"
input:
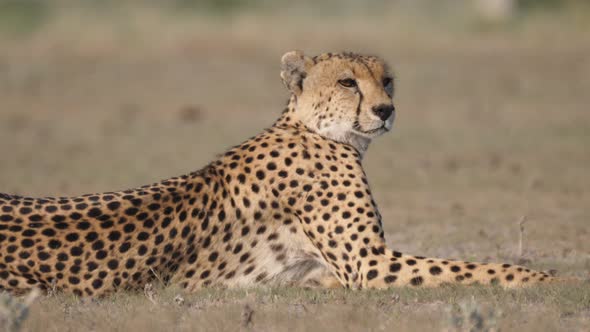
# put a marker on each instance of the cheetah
(290, 206)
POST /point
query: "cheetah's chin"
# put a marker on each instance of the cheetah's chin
(372, 133)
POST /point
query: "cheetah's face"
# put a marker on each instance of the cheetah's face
(341, 95)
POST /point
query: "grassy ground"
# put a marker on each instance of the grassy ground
(547, 308)
(493, 125)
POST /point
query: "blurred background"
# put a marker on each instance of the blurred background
(492, 95)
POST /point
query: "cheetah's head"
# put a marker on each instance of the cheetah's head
(345, 97)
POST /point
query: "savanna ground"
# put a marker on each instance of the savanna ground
(493, 126)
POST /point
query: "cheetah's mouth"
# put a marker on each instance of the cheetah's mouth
(370, 133)
(383, 128)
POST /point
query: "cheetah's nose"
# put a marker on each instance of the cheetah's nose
(383, 111)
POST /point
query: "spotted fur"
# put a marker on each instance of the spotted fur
(291, 205)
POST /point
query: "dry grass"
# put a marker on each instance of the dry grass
(493, 125)
(287, 309)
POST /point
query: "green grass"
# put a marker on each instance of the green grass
(20, 18)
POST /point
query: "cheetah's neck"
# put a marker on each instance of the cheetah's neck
(289, 118)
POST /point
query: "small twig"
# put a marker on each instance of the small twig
(148, 291)
(52, 287)
(247, 314)
(179, 300)
(521, 223)
(157, 276)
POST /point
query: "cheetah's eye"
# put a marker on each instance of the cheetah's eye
(347, 83)
(388, 86)
(387, 82)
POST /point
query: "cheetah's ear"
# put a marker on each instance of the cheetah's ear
(294, 67)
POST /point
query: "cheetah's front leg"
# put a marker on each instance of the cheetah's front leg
(341, 220)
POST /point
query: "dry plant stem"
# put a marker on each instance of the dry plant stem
(521, 223)
(157, 276)
(150, 293)
(247, 314)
